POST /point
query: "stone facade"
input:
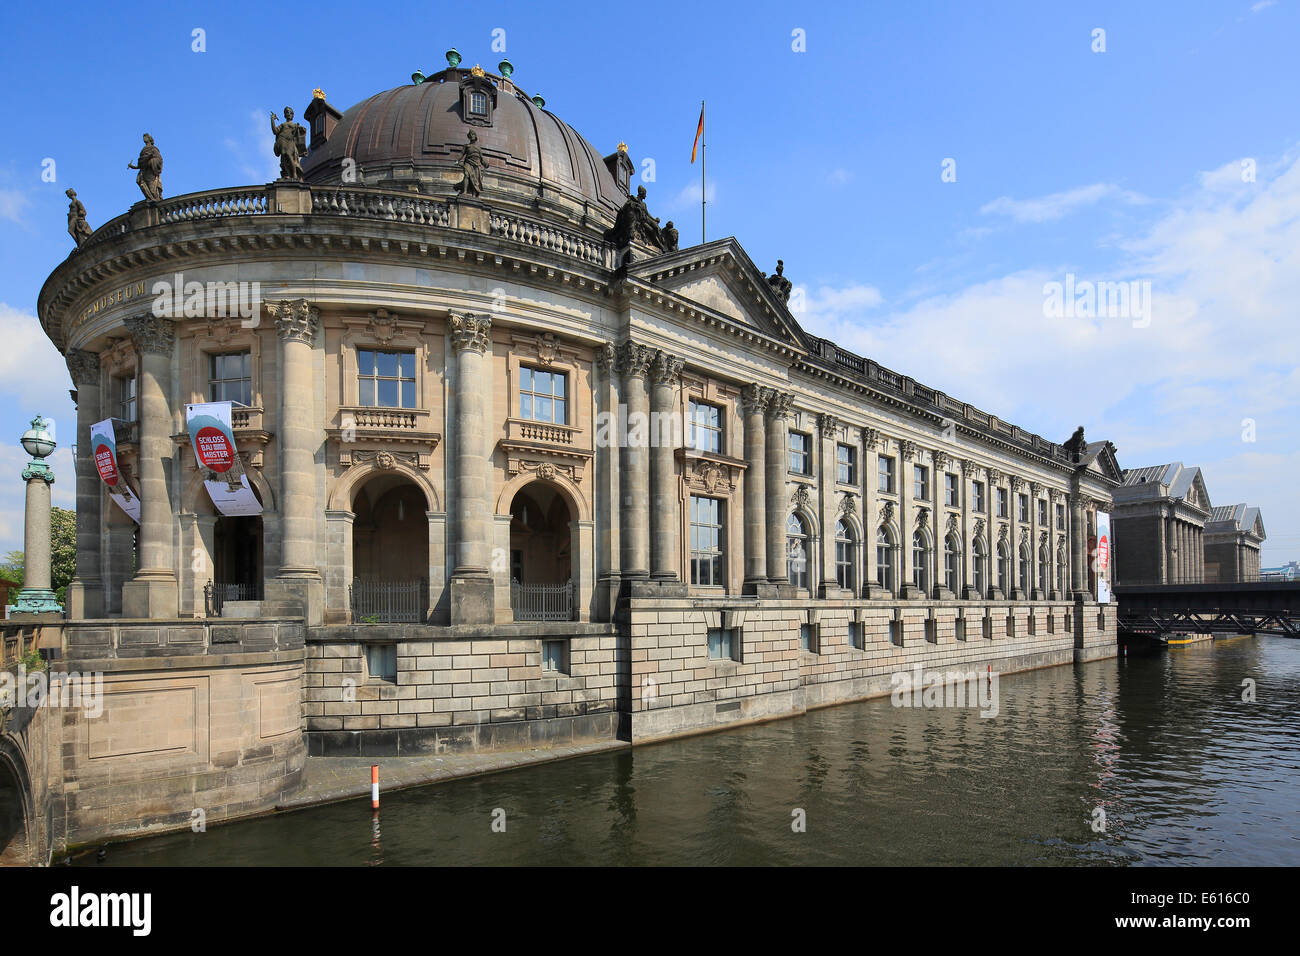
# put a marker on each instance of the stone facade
(1159, 525)
(1233, 536)
(453, 413)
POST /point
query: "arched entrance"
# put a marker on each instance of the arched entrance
(390, 551)
(14, 849)
(541, 554)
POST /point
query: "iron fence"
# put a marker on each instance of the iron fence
(543, 602)
(389, 602)
(216, 594)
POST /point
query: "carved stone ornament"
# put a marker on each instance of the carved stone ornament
(922, 516)
(1043, 537)
(754, 399)
(778, 407)
(828, 424)
(470, 331)
(849, 503)
(606, 356)
(995, 476)
(634, 360)
(940, 459)
(1055, 494)
(385, 460)
(546, 471)
(1017, 484)
(295, 321)
(801, 498)
(710, 476)
(1035, 489)
(907, 449)
(970, 469)
(83, 367)
(887, 512)
(979, 527)
(665, 369)
(547, 348)
(151, 333)
(382, 459)
(222, 330)
(871, 438)
(383, 326)
(1024, 535)
(953, 524)
(1002, 532)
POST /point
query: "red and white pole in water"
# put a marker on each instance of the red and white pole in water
(374, 786)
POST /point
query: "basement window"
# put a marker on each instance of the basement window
(381, 662)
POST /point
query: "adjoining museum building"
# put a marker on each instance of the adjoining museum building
(437, 403)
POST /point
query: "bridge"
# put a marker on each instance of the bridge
(1151, 610)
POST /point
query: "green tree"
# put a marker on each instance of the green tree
(63, 553)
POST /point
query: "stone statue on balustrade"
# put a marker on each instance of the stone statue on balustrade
(290, 144)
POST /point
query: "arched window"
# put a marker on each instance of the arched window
(1061, 565)
(920, 561)
(885, 559)
(846, 555)
(981, 568)
(1044, 571)
(796, 541)
(952, 564)
(1025, 569)
(1004, 567)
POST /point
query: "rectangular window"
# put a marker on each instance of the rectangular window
(706, 427)
(886, 482)
(555, 656)
(921, 482)
(800, 454)
(959, 629)
(126, 406)
(707, 542)
(951, 490)
(808, 637)
(478, 103)
(846, 464)
(855, 635)
(230, 378)
(1060, 517)
(1022, 507)
(381, 662)
(724, 644)
(543, 396)
(1003, 503)
(977, 496)
(385, 379)
(1042, 513)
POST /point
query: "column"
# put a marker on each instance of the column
(1078, 545)
(1019, 586)
(1052, 591)
(827, 514)
(906, 478)
(969, 473)
(472, 588)
(753, 401)
(634, 466)
(299, 583)
(607, 452)
(665, 521)
(870, 446)
(37, 597)
(153, 592)
(1162, 550)
(86, 592)
(777, 505)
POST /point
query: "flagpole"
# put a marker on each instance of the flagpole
(704, 152)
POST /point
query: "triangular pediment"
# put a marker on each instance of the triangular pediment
(721, 278)
(1102, 461)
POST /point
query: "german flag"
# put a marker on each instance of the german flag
(699, 131)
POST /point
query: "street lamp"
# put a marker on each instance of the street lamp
(37, 597)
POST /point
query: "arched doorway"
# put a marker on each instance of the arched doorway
(13, 817)
(541, 554)
(237, 557)
(390, 552)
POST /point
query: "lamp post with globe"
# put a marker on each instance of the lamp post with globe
(36, 597)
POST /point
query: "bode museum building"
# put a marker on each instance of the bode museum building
(514, 468)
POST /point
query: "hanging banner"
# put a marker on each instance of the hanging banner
(214, 449)
(1102, 559)
(103, 444)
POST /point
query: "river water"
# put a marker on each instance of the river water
(1184, 770)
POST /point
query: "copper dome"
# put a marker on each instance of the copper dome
(414, 134)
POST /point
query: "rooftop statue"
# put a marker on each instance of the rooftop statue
(472, 162)
(635, 224)
(1076, 445)
(669, 237)
(150, 164)
(78, 228)
(290, 144)
(779, 283)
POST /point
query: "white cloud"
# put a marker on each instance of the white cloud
(1223, 343)
(12, 204)
(30, 365)
(254, 150)
(1262, 5)
(839, 177)
(1056, 205)
(689, 196)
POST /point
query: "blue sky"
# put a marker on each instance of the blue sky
(1122, 165)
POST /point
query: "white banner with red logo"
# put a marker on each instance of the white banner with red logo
(214, 448)
(1102, 566)
(103, 447)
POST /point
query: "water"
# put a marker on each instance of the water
(1185, 771)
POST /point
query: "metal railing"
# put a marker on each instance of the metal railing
(543, 602)
(389, 602)
(216, 594)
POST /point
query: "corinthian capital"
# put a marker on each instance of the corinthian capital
(151, 333)
(665, 368)
(634, 360)
(470, 330)
(828, 425)
(754, 399)
(295, 320)
(83, 367)
(778, 409)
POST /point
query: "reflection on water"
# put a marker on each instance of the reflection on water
(1183, 769)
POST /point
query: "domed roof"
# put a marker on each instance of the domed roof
(416, 133)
